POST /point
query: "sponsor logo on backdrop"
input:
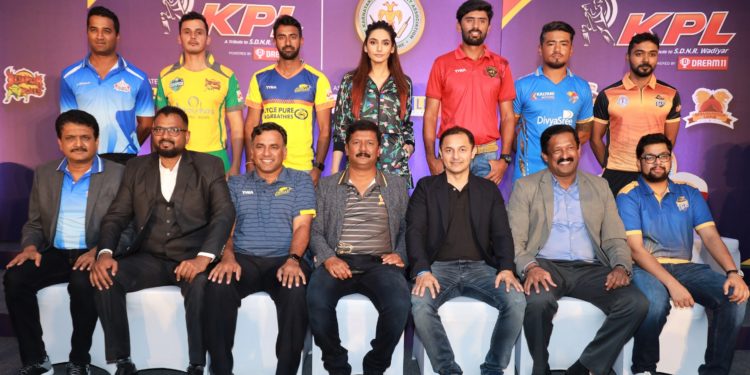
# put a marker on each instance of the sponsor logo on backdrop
(594, 90)
(406, 16)
(265, 54)
(711, 107)
(680, 24)
(703, 63)
(173, 11)
(600, 15)
(22, 85)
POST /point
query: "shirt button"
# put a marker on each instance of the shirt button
(169, 234)
(168, 221)
(169, 208)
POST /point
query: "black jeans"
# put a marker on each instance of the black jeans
(140, 271)
(223, 300)
(625, 308)
(24, 281)
(384, 285)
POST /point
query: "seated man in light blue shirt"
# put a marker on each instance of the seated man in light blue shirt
(68, 200)
(660, 216)
(569, 241)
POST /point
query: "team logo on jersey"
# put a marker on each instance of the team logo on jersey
(682, 203)
(176, 84)
(301, 114)
(22, 84)
(572, 97)
(239, 96)
(600, 16)
(623, 101)
(406, 16)
(711, 107)
(122, 86)
(212, 84)
(660, 101)
(491, 71)
(173, 11)
(303, 87)
(284, 190)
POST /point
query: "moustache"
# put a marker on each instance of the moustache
(84, 149)
(361, 154)
(561, 160)
(165, 141)
(645, 66)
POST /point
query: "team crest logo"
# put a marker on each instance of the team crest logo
(212, 84)
(303, 87)
(660, 102)
(623, 101)
(682, 203)
(300, 114)
(491, 71)
(711, 107)
(22, 84)
(176, 84)
(406, 17)
(284, 190)
(239, 96)
(600, 16)
(122, 86)
(572, 97)
(173, 11)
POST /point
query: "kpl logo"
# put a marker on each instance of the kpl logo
(221, 18)
(681, 24)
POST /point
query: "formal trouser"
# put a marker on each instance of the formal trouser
(140, 271)
(21, 285)
(625, 308)
(385, 285)
(619, 179)
(707, 289)
(222, 301)
(473, 279)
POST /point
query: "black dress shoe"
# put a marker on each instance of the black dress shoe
(195, 370)
(125, 367)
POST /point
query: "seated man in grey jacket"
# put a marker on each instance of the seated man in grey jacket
(570, 241)
(358, 238)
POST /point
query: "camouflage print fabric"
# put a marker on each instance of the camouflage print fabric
(382, 107)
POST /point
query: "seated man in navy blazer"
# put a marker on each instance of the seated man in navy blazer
(68, 200)
(459, 244)
(180, 205)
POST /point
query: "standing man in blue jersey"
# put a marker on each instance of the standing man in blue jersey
(110, 88)
(275, 207)
(552, 95)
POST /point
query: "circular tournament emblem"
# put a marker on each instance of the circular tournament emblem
(301, 114)
(406, 17)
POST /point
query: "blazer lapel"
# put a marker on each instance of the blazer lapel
(57, 183)
(95, 187)
(585, 195)
(545, 185)
(185, 173)
(476, 201)
(443, 202)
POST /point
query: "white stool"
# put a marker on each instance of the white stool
(468, 324)
(255, 338)
(57, 327)
(357, 318)
(575, 325)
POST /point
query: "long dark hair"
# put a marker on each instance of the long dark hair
(361, 74)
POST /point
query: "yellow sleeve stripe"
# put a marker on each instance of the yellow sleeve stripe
(673, 120)
(706, 224)
(326, 105)
(637, 232)
(253, 104)
(308, 212)
(627, 188)
(585, 120)
(601, 121)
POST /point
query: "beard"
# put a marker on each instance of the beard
(469, 41)
(637, 70)
(653, 177)
(289, 55)
(554, 64)
(170, 153)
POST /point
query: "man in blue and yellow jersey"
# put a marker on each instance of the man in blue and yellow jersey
(552, 95)
(207, 91)
(286, 93)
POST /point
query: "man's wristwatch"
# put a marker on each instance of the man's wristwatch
(508, 159)
(319, 165)
(295, 257)
(738, 272)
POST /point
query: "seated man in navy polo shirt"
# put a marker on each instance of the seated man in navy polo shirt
(275, 207)
(659, 217)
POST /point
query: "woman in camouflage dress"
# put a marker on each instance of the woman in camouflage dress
(379, 91)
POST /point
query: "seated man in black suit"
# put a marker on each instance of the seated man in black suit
(68, 200)
(180, 205)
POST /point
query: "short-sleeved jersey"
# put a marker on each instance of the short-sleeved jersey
(266, 212)
(114, 101)
(470, 92)
(666, 225)
(206, 96)
(541, 103)
(292, 102)
(632, 113)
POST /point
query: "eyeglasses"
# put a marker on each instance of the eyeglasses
(158, 130)
(651, 158)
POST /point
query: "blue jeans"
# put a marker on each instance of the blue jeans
(706, 287)
(473, 279)
(480, 166)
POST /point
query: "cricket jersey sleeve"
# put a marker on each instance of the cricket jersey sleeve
(233, 100)
(323, 94)
(254, 99)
